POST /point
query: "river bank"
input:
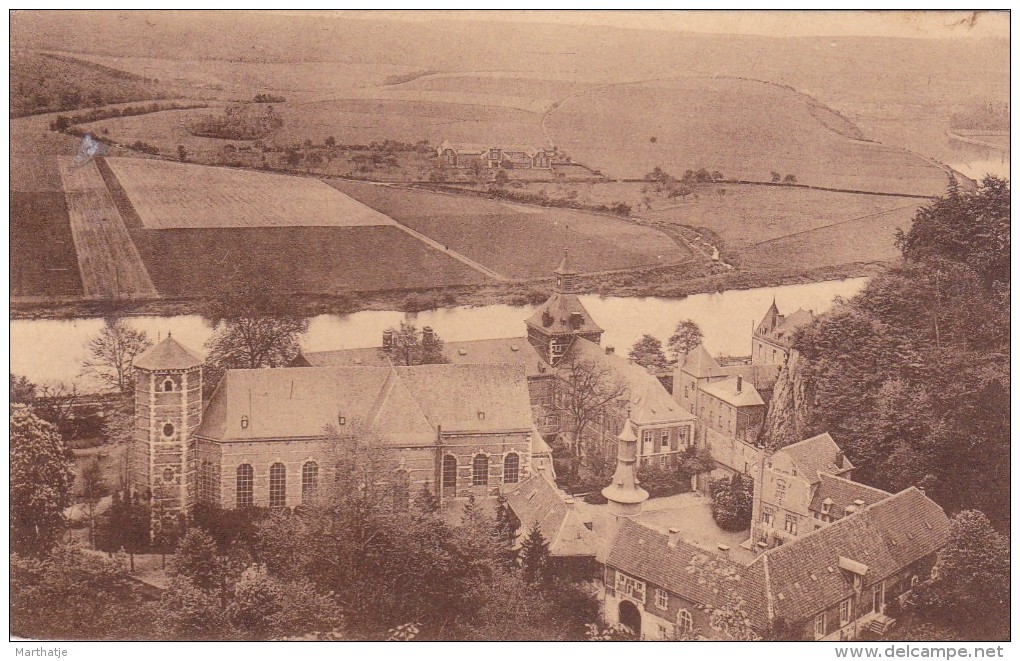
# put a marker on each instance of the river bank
(676, 281)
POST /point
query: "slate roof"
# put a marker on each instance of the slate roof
(560, 308)
(816, 455)
(804, 575)
(726, 390)
(650, 402)
(698, 575)
(405, 405)
(537, 500)
(167, 355)
(515, 350)
(798, 579)
(842, 493)
(779, 329)
(699, 363)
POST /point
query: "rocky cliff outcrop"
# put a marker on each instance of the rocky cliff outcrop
(789, 411)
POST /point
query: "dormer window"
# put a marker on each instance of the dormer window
(244, 422)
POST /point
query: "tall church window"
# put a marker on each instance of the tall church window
(401, 489)
(511, 468)
(245, 485)
(277, 485)
(480, 473)
(207, 482)
(449, 473)
(309, 481)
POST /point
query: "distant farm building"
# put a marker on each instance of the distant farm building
(463, 155)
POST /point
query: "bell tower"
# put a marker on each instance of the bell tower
(562, 318)
(168, 409)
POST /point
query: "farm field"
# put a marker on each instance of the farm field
(504, 84)
(43, 261)
(186, 263)
(746, 215)
(745, 129)
(517, 240)
(169, 195)
(865, 240)
(107, 258)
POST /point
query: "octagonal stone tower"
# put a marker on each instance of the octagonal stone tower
(168, 408)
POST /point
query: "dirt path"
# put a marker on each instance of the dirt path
(484, 270)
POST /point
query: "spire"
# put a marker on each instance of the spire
(625, 496)
(565, 275)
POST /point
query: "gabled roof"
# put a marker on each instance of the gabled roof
(841, 493)
(367, 357)
(167, 355)
(537, 500)
(726, 390)
(699, 363)
(471, 398)
(560, 308)
(698, 575)
(650, 402)
(804, 575)
(817, 455)
(406, 406)
(779, 329)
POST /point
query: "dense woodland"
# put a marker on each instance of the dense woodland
(912, 375)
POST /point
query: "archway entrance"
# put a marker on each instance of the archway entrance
(630, 617)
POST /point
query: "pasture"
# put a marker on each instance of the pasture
(168, 195)
(517, 240)
(745, 129)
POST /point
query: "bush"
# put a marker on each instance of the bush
(421, 302)
(732, 501)
(661, 482)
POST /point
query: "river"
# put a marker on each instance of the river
(52, 350)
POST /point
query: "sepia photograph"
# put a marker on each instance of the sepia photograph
(505, 326)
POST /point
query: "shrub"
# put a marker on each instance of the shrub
(732, 501)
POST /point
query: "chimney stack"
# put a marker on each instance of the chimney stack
(569, 502)
(740, 383)
(674, 537)
(387, 339)
(723, 548)
(427, 336)
(610, 351)
(850, 509)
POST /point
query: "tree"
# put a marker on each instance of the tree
(182, 153)
(42, 480)
(409, 346)
(197, 560)
(970, 588)
(257, 600)
(93, 488)
(112, 352)
(647, 352)
(968, 227)
(22, 390)
(585, 391)
(686, 336)
(254, 326)
(330, 142)
(776, 177)
(507, 525)
(790, 179)
(535, 555)
(732, 502)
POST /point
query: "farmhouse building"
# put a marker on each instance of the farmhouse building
(773, 337)
(263, 439)
(832, 583)
(464, 155)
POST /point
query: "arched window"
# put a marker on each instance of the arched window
(309, 481)
(168, 385)
(245, 485)
(277, 485)
(401, 489)
(684, 622)
(511, 468)
(244, 422)
(480, 471)
(450, 473)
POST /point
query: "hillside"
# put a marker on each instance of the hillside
(47, 83)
